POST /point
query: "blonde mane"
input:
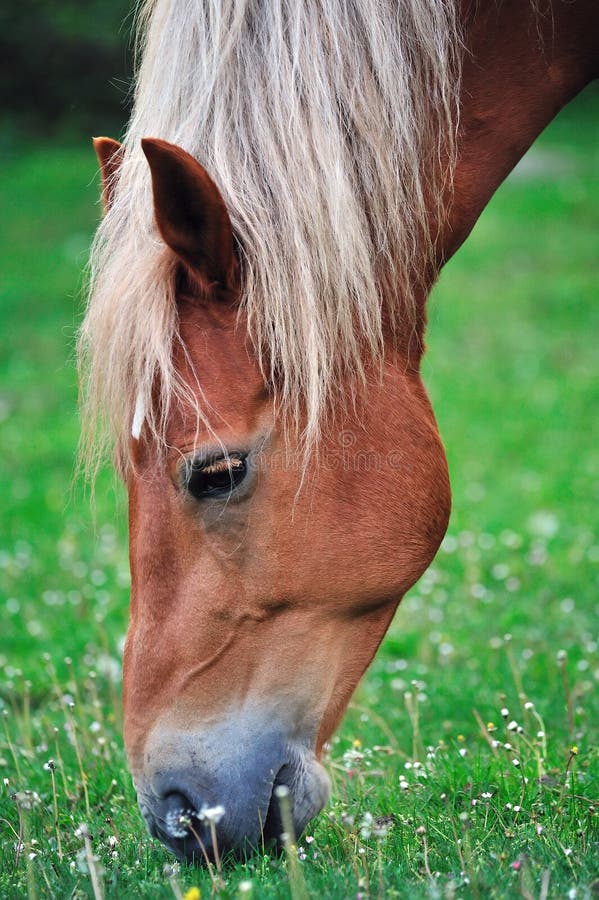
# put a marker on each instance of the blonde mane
(328, 126)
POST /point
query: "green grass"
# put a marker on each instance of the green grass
(512, 372)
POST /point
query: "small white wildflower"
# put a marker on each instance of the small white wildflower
(567, 851)
(486, 795)
(507, 747)
(512, 726)
(540, 734)
(517, 809)
(308, 839)
(504, 712)
(95, 727)
(516, 762)
(245, 887)
(529, 705)
(463, 751)
(212, 813)
(27, 799)
(508, 805)
(539, 829)
(366, 825)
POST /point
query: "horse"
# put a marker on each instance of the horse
(293, 179)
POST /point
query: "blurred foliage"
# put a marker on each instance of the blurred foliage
(67, 66)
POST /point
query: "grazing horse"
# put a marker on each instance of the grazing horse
(293, 178)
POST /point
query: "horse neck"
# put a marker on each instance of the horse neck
(523, 63)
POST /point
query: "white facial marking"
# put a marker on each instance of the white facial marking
(138, 417)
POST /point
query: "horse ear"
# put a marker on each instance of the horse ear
(110, 157)
(191, 214)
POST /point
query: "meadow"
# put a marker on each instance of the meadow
(468, 763)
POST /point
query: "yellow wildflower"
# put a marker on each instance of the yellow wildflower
(192, 894)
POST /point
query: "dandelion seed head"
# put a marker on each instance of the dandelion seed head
(177, 822)
(215, 813)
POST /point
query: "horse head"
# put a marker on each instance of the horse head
(263, 576)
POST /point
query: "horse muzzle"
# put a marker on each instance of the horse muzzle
(208, 794)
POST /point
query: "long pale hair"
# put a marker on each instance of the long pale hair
(329, 127)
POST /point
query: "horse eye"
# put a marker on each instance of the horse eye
(217, 478)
